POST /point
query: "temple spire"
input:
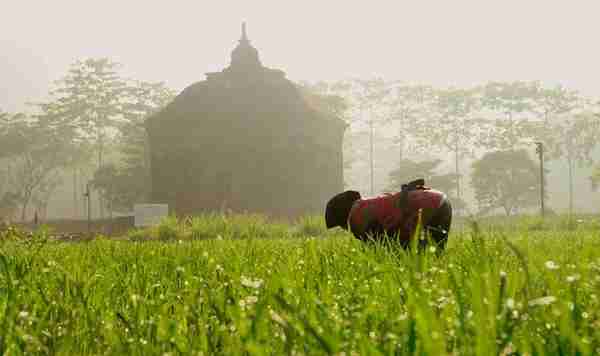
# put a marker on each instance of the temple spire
(244, 35)
(244, 55)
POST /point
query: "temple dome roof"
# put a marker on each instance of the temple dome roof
(245, 91)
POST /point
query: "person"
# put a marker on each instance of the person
(395, 215)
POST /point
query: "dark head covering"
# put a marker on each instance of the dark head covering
(338, 208)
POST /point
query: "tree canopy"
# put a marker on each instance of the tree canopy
(505, 179)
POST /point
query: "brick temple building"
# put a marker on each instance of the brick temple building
(244, 139)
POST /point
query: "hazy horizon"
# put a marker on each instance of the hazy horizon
(458, 43)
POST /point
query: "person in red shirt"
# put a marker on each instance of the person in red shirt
(395, 215)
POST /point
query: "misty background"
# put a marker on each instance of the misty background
(462, 44)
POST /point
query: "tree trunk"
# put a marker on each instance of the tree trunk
(24, 210)
(75, 195)
(570, 163)
(110, 202)
(457, 172)
(148, 168)
(402, 136)
(371, 154)
(401, 153)
(100, 164)
(81, 190)
(44, 211)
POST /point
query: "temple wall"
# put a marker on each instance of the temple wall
(260, 152)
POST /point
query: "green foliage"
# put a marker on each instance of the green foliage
(411, 109)
(169, 229)
(505, 179)
(333, 99)
(579, 136)
(9, 203)
(410, 170)
(89, 101)
(310, 226)
(128, 183)
(322, 97)
(454, 126)
(92, 107)
(510, 98)
(366, 108)
(36, 154)
(595, 178)
(531, 293)
(513, 105)
(132, 181)
(86, 107)
(119, 189)
(553, 105)
(13, 138)
(230, 227)
(12, 233)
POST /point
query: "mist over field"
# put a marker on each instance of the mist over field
(459, 44)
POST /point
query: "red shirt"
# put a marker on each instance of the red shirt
(385, 213)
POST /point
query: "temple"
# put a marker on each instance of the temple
(244, 139)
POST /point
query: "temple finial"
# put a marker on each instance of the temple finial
(244, 35)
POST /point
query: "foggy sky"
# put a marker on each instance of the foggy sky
(436, 42)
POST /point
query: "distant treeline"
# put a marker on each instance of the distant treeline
(90, 134)
(495, 126)
(92, 127)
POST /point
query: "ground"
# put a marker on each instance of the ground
(241, 285)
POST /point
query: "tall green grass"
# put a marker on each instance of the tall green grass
(242, 285)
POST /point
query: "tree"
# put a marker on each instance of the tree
(552, 104)
(38, 163)
(565, 129)
(368, 107)
(410, 170)
(45, 190)
(4, 121)
(505, 179)
(133, 176)
(579, 136)
(118, 187)
(410, 110)
(80, 149)
(454, 126)
(144, 99)
(9, 204)
(595, 178)
(123, 184)
(89, 102)
(9, 145)
(327, 98)
(82, 168)
(512, 105)
(12, 139)
(93, 106)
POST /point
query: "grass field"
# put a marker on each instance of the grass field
(240, 285)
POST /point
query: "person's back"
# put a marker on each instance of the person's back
(395, 215)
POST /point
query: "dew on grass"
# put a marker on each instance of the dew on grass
(551, 265)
